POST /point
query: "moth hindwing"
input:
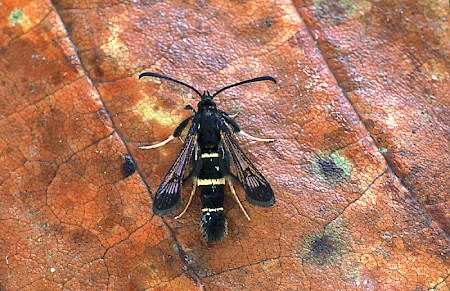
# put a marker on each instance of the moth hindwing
(209, 144)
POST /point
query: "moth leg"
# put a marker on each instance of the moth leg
(256, 138)
(235, 114)
(175, 134)
(189, 107)
(237, 129)
(225, 169)
(196, 167)
(194, 187)
(237, 199)
(158, 144)
(230, 122)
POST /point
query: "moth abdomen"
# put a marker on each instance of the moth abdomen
(213, 224)
(212, 189)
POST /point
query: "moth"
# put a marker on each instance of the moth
(211, 147)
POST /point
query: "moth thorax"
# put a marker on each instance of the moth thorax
(213, 225)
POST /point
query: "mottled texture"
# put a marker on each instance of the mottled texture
(360, 167)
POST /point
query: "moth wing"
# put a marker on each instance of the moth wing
(256, 187)
(168, 195)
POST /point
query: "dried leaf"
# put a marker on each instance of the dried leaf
(360, 168)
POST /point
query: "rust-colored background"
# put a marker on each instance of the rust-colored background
(360, 168)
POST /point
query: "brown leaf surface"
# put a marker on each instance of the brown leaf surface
(360, 168)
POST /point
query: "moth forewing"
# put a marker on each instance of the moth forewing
(168, 195)
(256, 187)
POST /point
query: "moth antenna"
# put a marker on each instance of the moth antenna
(150, 74)
(263, 78)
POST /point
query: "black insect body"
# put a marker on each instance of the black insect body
(210, 143)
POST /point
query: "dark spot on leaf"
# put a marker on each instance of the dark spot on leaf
(129, 166)
(296, 40)
(83, 237)
(370, 123)
(329, 167)
(334, 167)
(321, 248)
(268, 22)
(324, 249)
(97, 58)
(102, 114)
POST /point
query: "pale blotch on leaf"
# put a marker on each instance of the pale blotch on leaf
(340, 10)
(337, 10)
(335, 168)
(114, 47)
(176, 247)
(16, 17)
(436, 70)
(152, 112)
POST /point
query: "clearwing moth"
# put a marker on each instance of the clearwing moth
(209, 144)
